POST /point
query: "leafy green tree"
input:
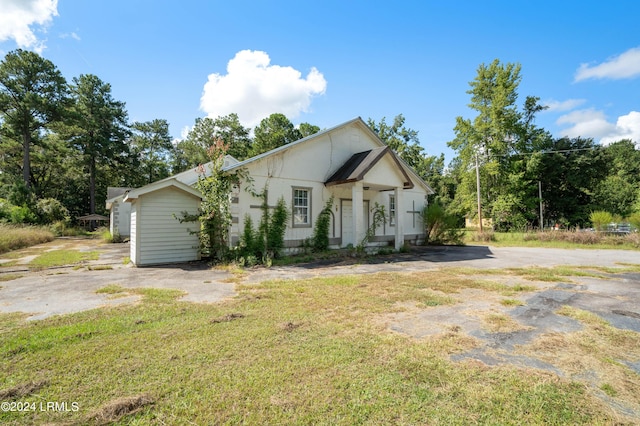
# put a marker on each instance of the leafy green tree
(273, 132)
(401, 139)
(99, 129)
(33, 94)
(151, 145)
(404, 141)
(307, 129)
(192, 151)
(618, 191)
(569, 170)
(499, 139)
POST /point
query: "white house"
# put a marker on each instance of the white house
(347, 162)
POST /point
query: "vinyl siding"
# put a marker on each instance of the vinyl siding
(161, 237)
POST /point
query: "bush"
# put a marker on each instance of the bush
(600, 219)
(320, 239)
(440, 227)
(51, 210)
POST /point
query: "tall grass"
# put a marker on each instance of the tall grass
(557, 239)
(13, 237)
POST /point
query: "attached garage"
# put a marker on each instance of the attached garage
(157, 236)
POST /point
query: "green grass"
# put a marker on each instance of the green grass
(62, 257)
(559, 239)
(282, 352)
(16, 237)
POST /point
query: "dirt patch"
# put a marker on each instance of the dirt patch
(227, 318)
(22, 390)
(119, 408)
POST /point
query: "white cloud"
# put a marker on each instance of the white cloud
(254, 89)
(625, 65)
(18, 16)
(72, 35)
(590, 123)
(627, 127)
(556, 106)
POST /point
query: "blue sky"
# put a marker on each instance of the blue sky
(326, 62)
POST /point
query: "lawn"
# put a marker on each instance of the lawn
(292, 352)
(556, 239)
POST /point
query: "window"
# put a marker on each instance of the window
(301, 207)
(392, 210)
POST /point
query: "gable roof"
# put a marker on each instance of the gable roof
(161, 184)
(356, 121)
(356, 167)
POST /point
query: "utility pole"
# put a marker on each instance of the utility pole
(540, 196)
(478, 191)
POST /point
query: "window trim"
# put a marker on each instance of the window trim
(293, 207)
(392, 212)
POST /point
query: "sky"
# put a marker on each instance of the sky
(327, 62)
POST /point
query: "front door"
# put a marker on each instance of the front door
(347, 221)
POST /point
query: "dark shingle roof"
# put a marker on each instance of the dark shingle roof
(356, 167)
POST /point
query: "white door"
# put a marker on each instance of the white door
(347, 221)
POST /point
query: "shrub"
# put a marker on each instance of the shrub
(51, 210)
(320, 239)
(599, 219)
(440, 227)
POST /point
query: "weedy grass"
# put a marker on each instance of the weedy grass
(282, 352)
(557, 239)
(16, 237)
(54, 258)
(598, 349)
(10, 277)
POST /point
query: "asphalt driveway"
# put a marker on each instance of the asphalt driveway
(72, 289)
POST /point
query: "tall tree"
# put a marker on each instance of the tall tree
(307, 129)
(569, 170)
(33, 94)
(272, 132)
(99, 128)
(495, 138)
(403, 140)
(151, 145)
(618, 191)
(206, 131)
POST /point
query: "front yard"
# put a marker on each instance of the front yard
(318, 351)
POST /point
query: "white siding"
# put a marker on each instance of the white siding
(159, 236)
(133, 252)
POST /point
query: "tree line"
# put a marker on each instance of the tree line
(63, 143)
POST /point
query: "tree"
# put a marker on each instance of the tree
(272, 132)
(307, 129)
(151, 144)
(33, 94)
(193, 150)
(404, 142)
(569, 170)
(496, 138)
(618, 191)
(99, 128)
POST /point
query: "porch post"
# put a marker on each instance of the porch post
(400, 209)
(357, 197)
